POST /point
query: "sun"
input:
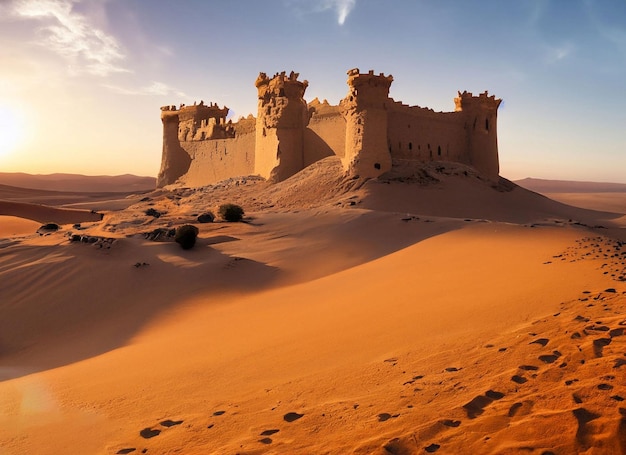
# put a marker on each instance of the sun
(10, 131)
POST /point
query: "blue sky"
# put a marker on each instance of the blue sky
(81, 82)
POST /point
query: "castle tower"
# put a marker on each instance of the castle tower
(281, 120)
(365, 111)
(175, 160)
(481, 115)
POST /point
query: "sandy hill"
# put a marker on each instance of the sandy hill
(428, 311)
(78, 183)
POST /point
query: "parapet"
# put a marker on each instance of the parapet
(280, 85)
(467, 99)
(357, 79)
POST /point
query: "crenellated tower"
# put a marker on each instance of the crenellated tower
(174, 159)
(365, 111)
(282, 117)
(480, 124)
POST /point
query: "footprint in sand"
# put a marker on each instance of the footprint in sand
(478, 404)
(528, 367)
(599, 344)
(432, 448)
(269, 432)
(541, 341)
(583, 416)
(519, 379)
(550, 358)
(171, 423)
(521, 408)
(386, 416)
(619, 362)
(451, 423)
(292, 416)
(148, 433)
(266, 441)
(125, 451)
(219, 413)
(605, 386)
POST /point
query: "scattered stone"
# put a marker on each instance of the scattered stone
(153, 212)
(207, 217)
(160, 234)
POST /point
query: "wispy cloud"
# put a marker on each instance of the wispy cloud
(72, 36)
(153, 89)
(342, 8)
(556, 54)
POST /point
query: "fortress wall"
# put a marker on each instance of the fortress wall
(219, 159)
(420, 134)
(325, 136)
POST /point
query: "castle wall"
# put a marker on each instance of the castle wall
(218, 159)
(325, 135)
(419, 134)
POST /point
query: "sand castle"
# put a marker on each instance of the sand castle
(368, 130)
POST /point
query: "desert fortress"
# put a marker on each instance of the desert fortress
(368, 131)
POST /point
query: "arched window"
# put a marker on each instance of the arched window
(410, 145)
(439, 150)
(487, 124)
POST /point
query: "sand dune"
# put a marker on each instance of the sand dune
(610, 197)
(419, 314)
(78, 183)
(45, 214)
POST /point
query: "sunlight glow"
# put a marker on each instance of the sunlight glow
(10, 131)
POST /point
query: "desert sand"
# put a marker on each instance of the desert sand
(433, 312)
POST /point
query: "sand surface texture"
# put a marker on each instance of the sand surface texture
(429, 312)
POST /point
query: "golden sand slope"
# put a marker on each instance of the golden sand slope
(354, 326)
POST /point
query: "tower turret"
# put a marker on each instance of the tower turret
(365, 110)
(175, 160)
(481, 119)
(281, 120)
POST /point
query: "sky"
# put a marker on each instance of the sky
(81, 81)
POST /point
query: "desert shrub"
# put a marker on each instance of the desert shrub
(231, 212)
(186, 236)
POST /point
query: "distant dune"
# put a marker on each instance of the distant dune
(609, 197)
(77, 182)
(566, 186)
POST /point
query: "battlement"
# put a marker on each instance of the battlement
(358, 80)
(467, 99)
(280, 85)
